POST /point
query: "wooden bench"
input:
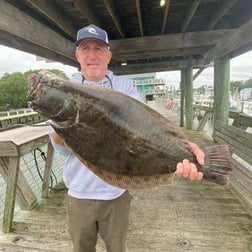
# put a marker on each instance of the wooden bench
(240, 143)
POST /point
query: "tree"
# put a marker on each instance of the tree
(13, 89)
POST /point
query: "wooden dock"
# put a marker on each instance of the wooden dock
(183, 216)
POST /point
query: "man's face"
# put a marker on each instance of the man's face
(94, 57)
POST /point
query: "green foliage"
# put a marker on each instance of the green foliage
(237, 86)
(13, 89)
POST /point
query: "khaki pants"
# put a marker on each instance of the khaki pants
(108, 217)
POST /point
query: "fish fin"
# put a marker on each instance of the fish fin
(218, 166)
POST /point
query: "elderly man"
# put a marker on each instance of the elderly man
(94, 206)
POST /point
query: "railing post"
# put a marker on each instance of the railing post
(11, 189)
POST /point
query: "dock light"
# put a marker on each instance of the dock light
(124, 64)
(162, 3)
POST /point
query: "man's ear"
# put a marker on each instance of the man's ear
(109, 56)
(77, 56)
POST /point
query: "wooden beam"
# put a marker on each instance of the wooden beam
(240, 38)
(139, 17)
(189, 15)
(198, 73)
(154, 67)
(222, 8)
(167, 7)
(87, 11)
(171, 41)
(55, 14)
(121, 56)
(115, 17)
(21, 31)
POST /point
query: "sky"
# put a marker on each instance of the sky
(12, 60)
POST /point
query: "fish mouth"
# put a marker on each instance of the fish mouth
(34, 87)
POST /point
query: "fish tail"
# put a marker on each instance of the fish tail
(218, 164)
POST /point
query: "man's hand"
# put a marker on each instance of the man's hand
(189, 170)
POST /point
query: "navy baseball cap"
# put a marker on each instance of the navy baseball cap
(91, 32)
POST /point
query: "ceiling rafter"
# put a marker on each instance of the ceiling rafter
(115, 17)
(189, 15)
(87, 12)
(139, 16)
(167, 7)
(55, 14)
(222, 8)
(227, 45)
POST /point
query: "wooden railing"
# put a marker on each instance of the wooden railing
(241, 120)
(14, 118)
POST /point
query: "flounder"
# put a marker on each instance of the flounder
(123, 141)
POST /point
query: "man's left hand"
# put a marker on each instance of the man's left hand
(189, 170)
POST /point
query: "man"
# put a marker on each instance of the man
(93, 205)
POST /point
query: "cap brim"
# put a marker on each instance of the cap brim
(77, 43)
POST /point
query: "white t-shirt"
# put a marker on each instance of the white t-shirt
(80, 181)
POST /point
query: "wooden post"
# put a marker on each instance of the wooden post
(189, 98)
(11, 189)
(182, 96)
(221, 89)
(47, 171)
(26, 198)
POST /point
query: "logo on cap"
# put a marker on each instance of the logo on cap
(93, 31)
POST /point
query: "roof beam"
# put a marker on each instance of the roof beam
(87, 12)
(240, 38)
(23, 32)
(139, 16)
(167, 7)
(148, 54)
(154, 67)
(168, 42)
(222, 8)
(115, 17)
(189, 15)
(55, 14)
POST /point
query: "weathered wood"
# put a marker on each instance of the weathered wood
(182, 96)
(222, 8)
(22, 140)
(115, 17)
(241, 184)
(55, 14)
(11, 187)
(47, 171)
(15, 22)
(229, 44)
(240, 143)
(204, 120)
(221, 89)
(188, 98)
(167, 7)
(25, 197)
(153, 67)
(139, 17)
(193, 6)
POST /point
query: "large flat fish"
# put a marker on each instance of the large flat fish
(123, 141)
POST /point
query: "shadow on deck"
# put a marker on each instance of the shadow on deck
(194, 216)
